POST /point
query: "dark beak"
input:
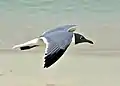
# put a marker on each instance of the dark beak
(89, 41)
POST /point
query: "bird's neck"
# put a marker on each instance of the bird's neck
(73, 39)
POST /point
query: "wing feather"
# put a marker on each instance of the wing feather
(52, 52)
(56, 45)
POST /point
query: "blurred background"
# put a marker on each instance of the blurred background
(22, 20)
(83, 64)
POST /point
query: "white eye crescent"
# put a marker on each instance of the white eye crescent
(80, 37)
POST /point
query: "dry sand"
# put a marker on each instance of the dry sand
(75, 68)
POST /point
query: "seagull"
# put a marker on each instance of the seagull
(57, 41)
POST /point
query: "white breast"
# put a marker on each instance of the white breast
(73, 39)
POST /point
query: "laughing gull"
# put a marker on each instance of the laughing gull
(57, 41)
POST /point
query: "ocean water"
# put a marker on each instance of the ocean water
(86, 68)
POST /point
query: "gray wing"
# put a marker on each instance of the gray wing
(61, 28)
(55, 50)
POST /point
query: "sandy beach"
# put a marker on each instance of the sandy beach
(26, 69)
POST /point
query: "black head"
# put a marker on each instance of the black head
(80, 39)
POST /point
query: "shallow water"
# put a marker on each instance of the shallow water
(73, 69)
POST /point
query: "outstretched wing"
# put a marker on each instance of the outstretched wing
(53, 51)
(67, 28)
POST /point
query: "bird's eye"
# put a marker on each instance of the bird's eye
(81, 37)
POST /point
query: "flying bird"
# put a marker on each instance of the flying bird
(57, 41)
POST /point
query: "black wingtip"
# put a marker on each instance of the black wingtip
(45, 66)
(51, 59)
